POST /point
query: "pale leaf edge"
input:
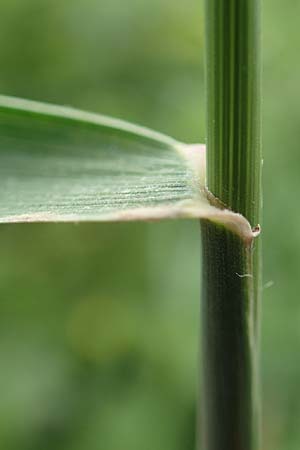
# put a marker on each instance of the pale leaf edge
(201, 207)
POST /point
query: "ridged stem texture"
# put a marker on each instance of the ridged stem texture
(231, 264)
(233, 104)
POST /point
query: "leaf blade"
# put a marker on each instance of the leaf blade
(58, 164)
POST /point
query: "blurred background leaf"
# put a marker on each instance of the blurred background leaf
(99, 323)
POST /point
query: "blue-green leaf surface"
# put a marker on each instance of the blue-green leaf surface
(61, 164)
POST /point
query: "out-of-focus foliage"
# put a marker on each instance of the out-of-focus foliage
(99, 323)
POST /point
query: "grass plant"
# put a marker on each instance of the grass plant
(59, 164)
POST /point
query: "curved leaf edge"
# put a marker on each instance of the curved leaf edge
(205, 206)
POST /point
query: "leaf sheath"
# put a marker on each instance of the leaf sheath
(231, 267)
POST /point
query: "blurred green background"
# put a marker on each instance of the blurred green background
(99, 323)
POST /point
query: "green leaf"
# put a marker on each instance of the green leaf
(61, 164)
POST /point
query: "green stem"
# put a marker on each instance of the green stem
(233, 104)
(231, 274)
(230, 406)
